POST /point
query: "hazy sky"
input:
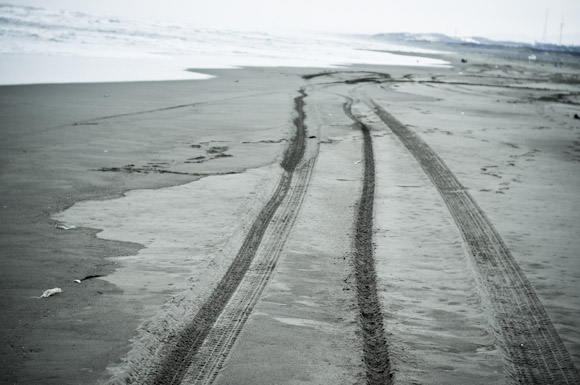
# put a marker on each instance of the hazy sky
(501, 19)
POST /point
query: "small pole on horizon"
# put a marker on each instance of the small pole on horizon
(545, 35)
(561, 29)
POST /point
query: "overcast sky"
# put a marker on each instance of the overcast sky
(500, 19)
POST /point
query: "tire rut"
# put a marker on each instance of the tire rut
(213, 352)
(533, 352)
(204, 344)
(375, 349)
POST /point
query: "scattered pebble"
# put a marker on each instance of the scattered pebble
(63, 226)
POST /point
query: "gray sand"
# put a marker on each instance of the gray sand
(174, 174)
(51, 151)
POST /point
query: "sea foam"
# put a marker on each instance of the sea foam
(39, 45)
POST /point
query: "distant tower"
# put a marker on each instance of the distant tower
(561, 29)
(545, 35)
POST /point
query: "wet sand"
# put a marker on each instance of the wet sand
(164, 182)
(52, 151)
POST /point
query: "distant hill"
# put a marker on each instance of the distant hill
(470, 41)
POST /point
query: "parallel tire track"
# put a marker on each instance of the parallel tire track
(376, 354)
(213, 352)
(532, 349)
(203, 345)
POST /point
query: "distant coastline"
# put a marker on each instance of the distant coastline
(406, 37)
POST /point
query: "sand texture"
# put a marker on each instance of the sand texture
(366, 225)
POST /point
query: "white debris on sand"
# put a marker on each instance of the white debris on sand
(50, 292)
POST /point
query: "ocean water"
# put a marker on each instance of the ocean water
(39, 45)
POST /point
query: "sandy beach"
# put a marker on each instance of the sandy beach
(366, 224)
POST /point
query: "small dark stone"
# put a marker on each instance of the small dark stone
(576, 116)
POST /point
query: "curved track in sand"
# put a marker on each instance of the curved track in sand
(204, 344)
(376, 354)
(532, 349)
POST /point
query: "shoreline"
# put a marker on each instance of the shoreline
(66, 255)
(46, 69)
(51, 164)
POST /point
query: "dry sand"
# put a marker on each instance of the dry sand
(164, 182)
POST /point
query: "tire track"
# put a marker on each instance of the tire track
(221, 338)
(204, 344)
(533, 352)
(375, 354)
